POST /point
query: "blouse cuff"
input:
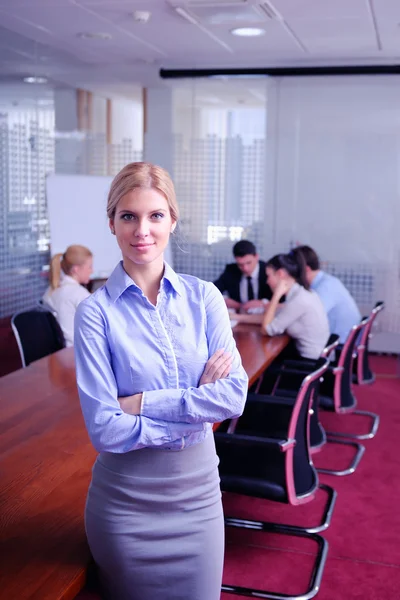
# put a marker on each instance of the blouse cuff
(142, 403)
(269, 329)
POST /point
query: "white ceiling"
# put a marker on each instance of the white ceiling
(41, 37)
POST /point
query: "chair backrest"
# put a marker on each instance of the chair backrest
(332, 343)
(43, 304)
(366, 333)
(37, 333)
(293, 371)
(301, 475)
(362, 371)
(343, 372)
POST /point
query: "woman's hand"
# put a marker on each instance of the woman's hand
(232, 304)
(282, 288)
(217, 367)
(131, 404)
(253, 304)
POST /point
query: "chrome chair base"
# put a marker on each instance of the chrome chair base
(363, 436)
(360, 449)
(317, 572)
(366, 381)
(259, 525)
(328, 510)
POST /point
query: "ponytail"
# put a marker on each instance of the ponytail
(294, 263)
(55, 271)
(74, 255)
(301, 265)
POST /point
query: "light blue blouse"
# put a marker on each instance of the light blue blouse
(125, 345)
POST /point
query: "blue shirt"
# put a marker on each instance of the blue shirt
(340, 306)
(125, 345)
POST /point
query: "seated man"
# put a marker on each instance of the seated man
(245, 280)
(340, 306)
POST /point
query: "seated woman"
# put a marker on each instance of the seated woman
(302, 316)
(67, 272)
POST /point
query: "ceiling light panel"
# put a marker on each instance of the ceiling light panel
(35, 79)
(317, 9)
(95, 35)
(248, 31)
(226, 14)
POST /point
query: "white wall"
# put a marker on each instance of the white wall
(66, 111)
(158, 139)
(333, 175)
(336, 165)
(127, 121)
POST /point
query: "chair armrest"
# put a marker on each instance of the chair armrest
(301, 365)
(261, 399)
(242, 455)
(246, 441)
(286, 395)
(299, 371)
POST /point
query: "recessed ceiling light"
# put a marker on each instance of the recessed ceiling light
(35, 79)
(248, 31)
(95, 35)
(141, 16)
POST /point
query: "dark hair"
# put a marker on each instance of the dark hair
(294, 263)
(310, 256)
(243, 248)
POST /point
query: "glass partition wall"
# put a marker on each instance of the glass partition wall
(282, 161)
(279, 161)
(219, 136)
(48, 127)
(26, 156)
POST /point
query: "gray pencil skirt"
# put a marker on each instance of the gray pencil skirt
(154, 523)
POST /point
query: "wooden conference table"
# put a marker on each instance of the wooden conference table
(45, 466)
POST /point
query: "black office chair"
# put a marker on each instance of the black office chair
(37, 333)
(43, 304)
(276, 466)
(362, 373)
(289, 379)
(336, 395)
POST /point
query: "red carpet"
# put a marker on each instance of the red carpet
(364, 557)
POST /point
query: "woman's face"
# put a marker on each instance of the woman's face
(275, 276)
(83, 272)
(142, 225)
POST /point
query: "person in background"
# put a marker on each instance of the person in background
(302, 316)
(244, 280)
(339, 304)
(68, 273)
(156, 364)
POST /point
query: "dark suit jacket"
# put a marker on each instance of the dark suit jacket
(229, 282)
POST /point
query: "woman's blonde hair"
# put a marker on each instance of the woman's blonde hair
(75, 255)
(146, 176)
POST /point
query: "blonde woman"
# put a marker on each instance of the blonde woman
(156, 365)
(68, 272)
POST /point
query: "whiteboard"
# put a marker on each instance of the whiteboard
(77, 215)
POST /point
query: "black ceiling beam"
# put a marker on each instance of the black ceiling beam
(283, 71)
